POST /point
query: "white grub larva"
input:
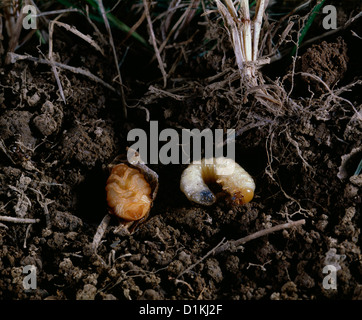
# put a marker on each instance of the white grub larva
(233, 179)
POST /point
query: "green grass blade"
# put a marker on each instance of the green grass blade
(311, 18)
(114, 21)
(359, 169)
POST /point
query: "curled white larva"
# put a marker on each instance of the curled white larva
(233, 179)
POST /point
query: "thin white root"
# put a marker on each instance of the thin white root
(100, 232)
(14, 57)
(154, 42)
(108, 27)
(232, 245)
(18, 220)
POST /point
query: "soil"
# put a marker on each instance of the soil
(302, 154)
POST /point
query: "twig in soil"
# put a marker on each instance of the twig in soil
(15, 57)
(27, 234)
(261, 266)
(48, 13)
(189, 14)
(5, 150)
(97, 31)
(356, 35)
(51, 58)
(212, 251)
(232, 245)
(177, 281)
(176, 25)
(18, 220)
(44, 202)
(108, 27)
(100, 232)
(81, 35)
(134, 27)
(23, 202)
(164, 93)
(154, 42)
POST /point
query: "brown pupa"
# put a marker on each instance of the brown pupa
(131, 189)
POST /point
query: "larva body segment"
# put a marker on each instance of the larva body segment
(128, 193)
(194, 187)
(233, 179)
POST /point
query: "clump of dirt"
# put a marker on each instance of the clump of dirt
(15, 126)
(49, 120)
(327, 61)
(88, 143)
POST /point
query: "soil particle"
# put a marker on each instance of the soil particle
(322, 222)
(289, 291)
(151, 294)
(15, 127)
(346, 227)
(350, 191)
(303, 280)
(88, 292)
(356, 180)
(353, 131)
(349, 163)
(34, 99)
(214, 270)
(88, 143)
(323, 135)
(65, 221)
(107, 296)
(50, 119)
(185, 258)
(328, 61)
(357, 294)
(175, 267)
(33, 259)
(71, 273)
(232, 264)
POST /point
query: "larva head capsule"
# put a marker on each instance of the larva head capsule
(242, 196)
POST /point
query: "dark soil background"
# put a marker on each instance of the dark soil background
(54, 161)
